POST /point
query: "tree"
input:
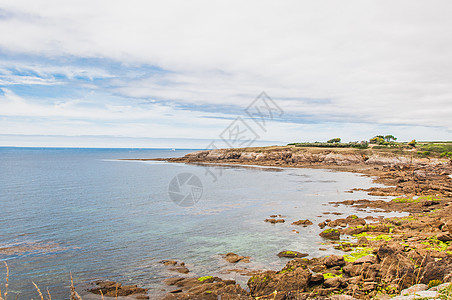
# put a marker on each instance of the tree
(335, 140)
(379, 139)
(390, 138)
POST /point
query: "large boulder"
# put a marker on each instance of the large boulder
(437, 270)
(333, 261)
(332, 234)
(284, 281)
(333, 282)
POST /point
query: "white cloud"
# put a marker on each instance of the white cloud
(383, 63)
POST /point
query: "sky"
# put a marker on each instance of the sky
(184, 74)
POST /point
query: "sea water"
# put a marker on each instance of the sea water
(83, 211)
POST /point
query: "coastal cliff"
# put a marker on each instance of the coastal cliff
(299, 157)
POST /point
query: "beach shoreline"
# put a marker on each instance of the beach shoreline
(420, 242)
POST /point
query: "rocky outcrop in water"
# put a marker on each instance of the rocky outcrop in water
(302, 222)
(175, 266)
(292, 254)
(235, 258)
(115, 289)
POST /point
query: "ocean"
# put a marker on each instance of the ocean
(83, 211)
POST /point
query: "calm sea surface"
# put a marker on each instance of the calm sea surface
(83, 211)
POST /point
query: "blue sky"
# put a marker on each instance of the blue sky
(177, 74)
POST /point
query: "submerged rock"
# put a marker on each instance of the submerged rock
(169, 262)
(180, 269)
(274, 221)
(176, 266)
(302, 222)
(235, 258)
(277, 216)
(292, 254)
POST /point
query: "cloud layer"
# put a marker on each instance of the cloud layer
(183, 69)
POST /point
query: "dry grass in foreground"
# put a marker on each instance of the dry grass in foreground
(74, 294)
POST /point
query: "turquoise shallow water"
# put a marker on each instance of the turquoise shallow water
(83, 211)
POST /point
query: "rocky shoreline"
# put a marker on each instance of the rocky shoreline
(382, 256)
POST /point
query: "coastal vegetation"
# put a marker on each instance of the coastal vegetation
(335, 140)
(438, 148)
(387, 143)
(359, 145)
(383, 140)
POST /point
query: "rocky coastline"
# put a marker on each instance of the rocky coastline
(407, 256)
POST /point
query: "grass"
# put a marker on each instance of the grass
(446, 293)
(436, 148)
(74, 294)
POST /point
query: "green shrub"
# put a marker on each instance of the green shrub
(412, 143)
(379, 139)
(434, 282)
(424, 153)
(446, 154)
(438, 148)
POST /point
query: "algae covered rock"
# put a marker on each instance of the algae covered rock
(332, 234)
(292, 254)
